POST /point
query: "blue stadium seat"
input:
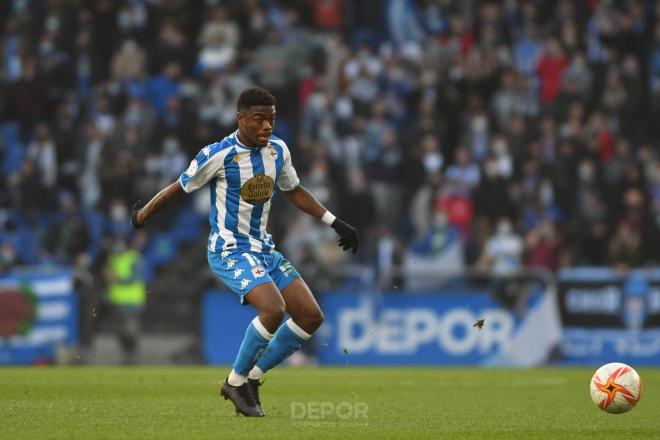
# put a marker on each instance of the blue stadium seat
(26, 244)
(14, 150)
(95, 222)
(29, 245)
(161, 249)
(186, 227)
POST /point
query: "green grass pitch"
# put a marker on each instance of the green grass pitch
(401, 403)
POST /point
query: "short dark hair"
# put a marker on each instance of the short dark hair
(254, 96)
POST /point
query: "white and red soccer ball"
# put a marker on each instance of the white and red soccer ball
(615, 388)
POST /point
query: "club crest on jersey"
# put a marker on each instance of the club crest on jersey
(272, 151)
(258, 190)
(258, 271)
(192, 169)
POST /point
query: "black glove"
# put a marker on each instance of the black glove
(348, 234)
(134, 210)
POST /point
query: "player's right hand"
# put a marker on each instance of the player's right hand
(134, 212)
(348, 234)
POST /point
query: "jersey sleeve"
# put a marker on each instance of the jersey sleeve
(288, 178)
(204, 167)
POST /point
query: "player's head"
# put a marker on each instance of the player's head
(256, 115)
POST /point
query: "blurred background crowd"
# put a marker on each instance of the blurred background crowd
(453, 134)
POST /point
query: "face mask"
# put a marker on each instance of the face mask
(208, 113)
(46, 48)
(432, 162)
(585, 172)
(479, 124)
(188, 90)
(124, 20)
(118, 212)
(499, 147)
(546, 193)
(133, 117)
(326, 131)
(20, 5)
(317, 175)
(52, 24)
(170, 146)
(318, 101)
(504, 228)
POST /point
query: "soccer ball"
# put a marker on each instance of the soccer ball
(615, 388)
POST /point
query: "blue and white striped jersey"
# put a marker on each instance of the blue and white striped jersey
(242, 182)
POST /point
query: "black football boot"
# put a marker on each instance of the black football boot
(241, 398)
(253, 388)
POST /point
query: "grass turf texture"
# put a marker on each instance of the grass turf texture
(183, 403)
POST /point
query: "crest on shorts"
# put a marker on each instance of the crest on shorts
(258, 271)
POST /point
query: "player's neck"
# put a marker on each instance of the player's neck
(241, 138)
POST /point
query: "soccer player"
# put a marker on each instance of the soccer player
(242, 170)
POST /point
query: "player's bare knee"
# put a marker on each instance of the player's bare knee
(313, 321)
(272, 313)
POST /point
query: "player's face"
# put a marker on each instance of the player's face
(257, 123)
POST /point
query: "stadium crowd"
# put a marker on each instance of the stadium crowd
(455, 133)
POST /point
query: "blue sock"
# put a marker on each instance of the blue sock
(287, 340)
(253, 345)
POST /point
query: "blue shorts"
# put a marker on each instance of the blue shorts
(241, 271)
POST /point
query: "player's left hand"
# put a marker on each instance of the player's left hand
(134, 212)
(348, 234)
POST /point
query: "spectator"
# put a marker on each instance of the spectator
(163, 87)
(625, 249)
(68, 238)
(438, 253)
(384, 172)
(129, 62)
(550, 68)
(491, 198)
(126, 294)
(42, 152)
(463, 175)
(544, 247)
(218, 40)
(503, 252)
